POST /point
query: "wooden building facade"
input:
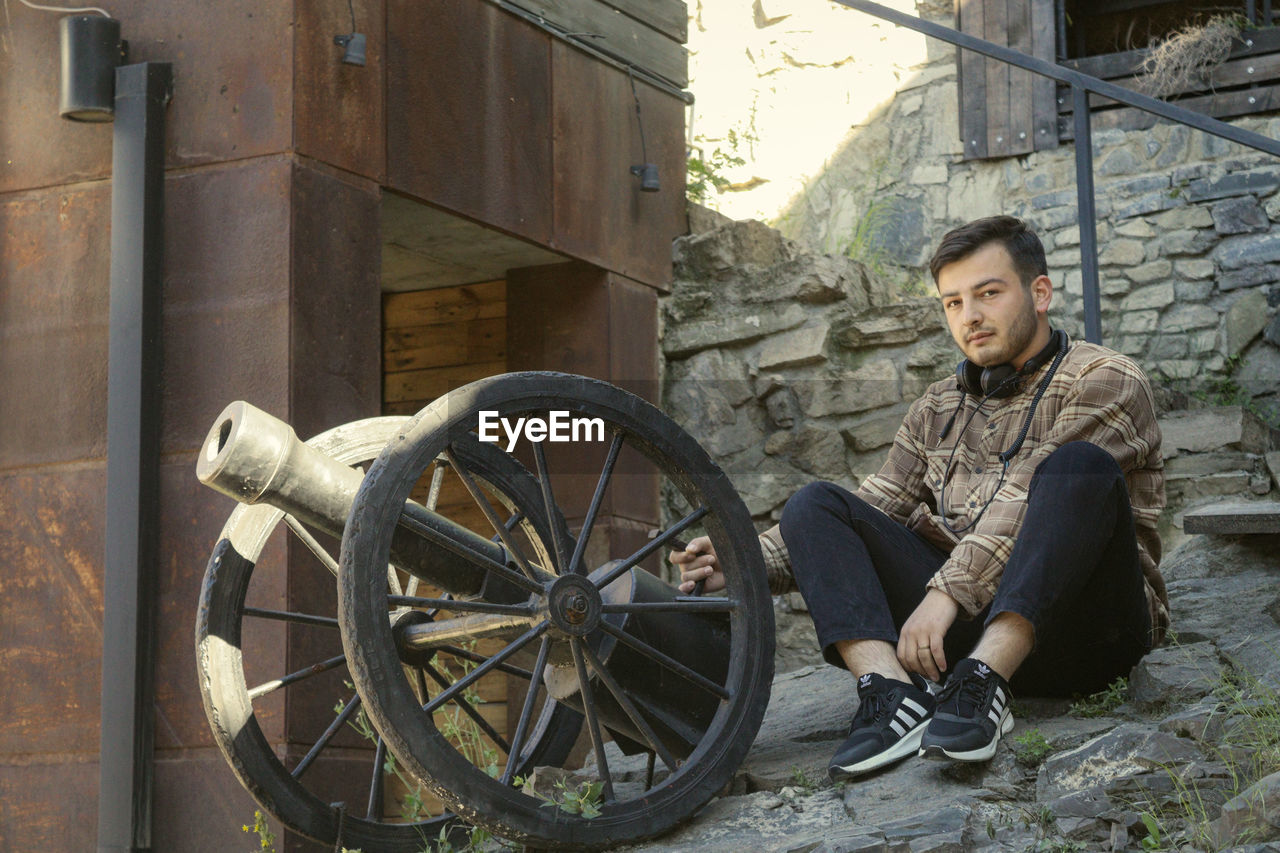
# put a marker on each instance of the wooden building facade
(340, 241)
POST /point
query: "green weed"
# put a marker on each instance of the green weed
(1103, 702)
(1031, 747)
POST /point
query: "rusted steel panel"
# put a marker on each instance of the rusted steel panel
(54, 259)
(601, 215)
(50, 804)
(336, 308)
(226, 316)
(624, 37)
(338, 108)
(233, 71)
(469, 106)
(582, 319)
(199, 806)
(51, 610)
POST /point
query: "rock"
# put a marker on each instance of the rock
(684, 339)
(704, 219)
(805, 345)
(1239, 216)
(1245, 319)
(1249, 276)
(1126, 253)
(901, 323)
(1248, 250)
(875, 431)
(1254, 813)
(735, 243)
(929, 824)
(1154, 271)
(853, 844)
(1193, 465)
(1272, 333)
(1124, 752)
(1183, 318)
(1218, 427)
(1201, 721)
(1256, 181)
(1175, 675)
(1155, 296)
(818, 450)
(870, 386)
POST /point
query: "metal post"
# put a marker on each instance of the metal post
(1086, 214)
(133, 437)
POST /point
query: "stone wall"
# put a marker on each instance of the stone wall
(1187, 227)
(791, 366)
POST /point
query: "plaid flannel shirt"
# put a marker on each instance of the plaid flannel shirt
(1096, 395)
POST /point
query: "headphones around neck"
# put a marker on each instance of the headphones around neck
(1004, 380)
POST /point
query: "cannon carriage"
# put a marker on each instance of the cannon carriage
(669, 689)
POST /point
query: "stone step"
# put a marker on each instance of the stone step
(1234, 517)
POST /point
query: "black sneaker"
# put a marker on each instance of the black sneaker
(973, 712)
(891, 717)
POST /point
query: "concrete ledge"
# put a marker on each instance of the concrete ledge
(1234, 518)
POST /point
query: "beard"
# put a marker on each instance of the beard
(1019, 335)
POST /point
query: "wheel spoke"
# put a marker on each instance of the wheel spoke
(433, 497)
(461, 606)
(593, 722)
(588, 523)
(375, 784)
(315, 669)
(313, 544)
(648, 772)
(632, 712)
(526, 714)
(337, 723)
(469, 710)
(481, 501)
(549, 506)
(669, 662)
(435, 537)
(681, 604)
(654, 544)
(459, 652)
(475, 674)
(289, 616)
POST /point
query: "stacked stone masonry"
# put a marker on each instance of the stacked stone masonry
(1189, 247)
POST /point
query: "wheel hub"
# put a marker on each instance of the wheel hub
(574, 605)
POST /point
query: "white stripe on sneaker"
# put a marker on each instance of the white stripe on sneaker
(994, 715)
(897, 728)
(905, 716)
(921, 713)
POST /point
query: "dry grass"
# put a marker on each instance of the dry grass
(1182, 62)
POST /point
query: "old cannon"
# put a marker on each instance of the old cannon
(670, 688)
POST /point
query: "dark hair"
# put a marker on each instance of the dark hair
(1022, 244)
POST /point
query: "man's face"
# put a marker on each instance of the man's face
(992, 317)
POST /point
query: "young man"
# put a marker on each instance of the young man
(1009, 538)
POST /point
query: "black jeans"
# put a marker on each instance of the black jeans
(1073, 574)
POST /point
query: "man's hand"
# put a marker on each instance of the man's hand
(698, 562)
(920, 641)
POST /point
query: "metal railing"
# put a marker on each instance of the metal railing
(1081, 85)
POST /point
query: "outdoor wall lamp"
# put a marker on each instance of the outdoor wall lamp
(91, 49)
(648, 174)
(352, 43)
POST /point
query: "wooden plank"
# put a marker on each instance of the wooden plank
(669, 17)
(1226, 105)
(995, 25)
(620, 35)
(445, 305)
(973, 89)
(1044, 90)
(1021, 109)
(441, 345)
(1251, 70)
(1111, 65)
(429, 384)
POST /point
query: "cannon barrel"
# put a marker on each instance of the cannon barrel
(254, 457)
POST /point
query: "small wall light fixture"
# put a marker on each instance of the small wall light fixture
(647, 172)
(91, 49)
(352, 43)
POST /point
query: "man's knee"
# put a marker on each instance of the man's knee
(1079, 458)
(818, 499)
